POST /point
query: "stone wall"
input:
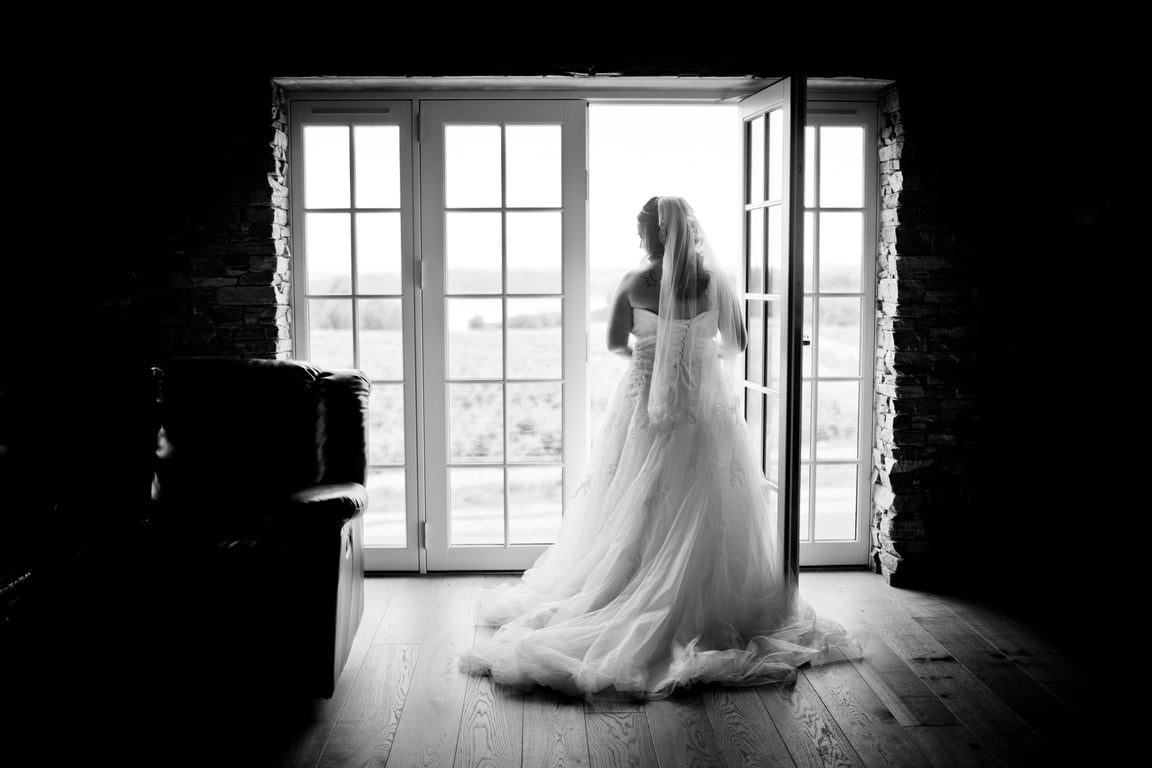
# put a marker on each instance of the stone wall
(210, 275)
(926, 361)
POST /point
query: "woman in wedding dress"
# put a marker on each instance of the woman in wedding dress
(666, 570)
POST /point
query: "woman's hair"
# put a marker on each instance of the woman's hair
(649, 218)
(689, 280)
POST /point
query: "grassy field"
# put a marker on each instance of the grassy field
(480, 431)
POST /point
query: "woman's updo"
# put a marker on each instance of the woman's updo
(649, 218)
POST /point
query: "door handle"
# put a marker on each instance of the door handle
(805, 340)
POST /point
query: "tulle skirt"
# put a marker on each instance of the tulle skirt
(666, 570)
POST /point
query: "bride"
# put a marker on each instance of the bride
(665, 571)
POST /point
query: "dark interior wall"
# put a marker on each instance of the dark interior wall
(1030, 205)
(1036, 197)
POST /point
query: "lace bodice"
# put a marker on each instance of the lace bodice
(697, 330)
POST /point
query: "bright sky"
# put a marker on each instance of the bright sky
(637, 151)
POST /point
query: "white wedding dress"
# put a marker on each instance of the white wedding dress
(665, 570)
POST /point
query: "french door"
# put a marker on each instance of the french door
(773, 122)
(809, 297)
(839, 318)
(439, 248)
(354, 294)
(504, 318)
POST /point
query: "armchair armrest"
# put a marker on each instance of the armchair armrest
(334, 503)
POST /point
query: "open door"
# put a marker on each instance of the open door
(772, 121)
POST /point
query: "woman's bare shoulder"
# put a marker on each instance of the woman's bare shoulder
(644, 287)
(638, 279)
(645, 278)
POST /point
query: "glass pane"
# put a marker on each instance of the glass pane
(755, 409)
(533, 163)
(534, 249)
(835, 502)
(839, 336)
(809, 252)
(535, 502)
(774, 370)
(381, 338)
(810, 350)
(377, 166)
(776, 169)
(756, 161)
(772, 437)
(386, 424)
(535, 422)
(378, 253)
(805, 498)
(326, 183)
(756, 251)
(472, 166)
(385, 524)
(841, 251)
(476, 504)
(475, 338)
(810, 166)
(806, 420)
(755, 351)
(842, 166)
(476, 422)
(775, 250)
(328, 243)
(837, 412)
(534, 339)
(472, 252)
(330, 333)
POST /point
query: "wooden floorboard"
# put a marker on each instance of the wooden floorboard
(893, 681)
(1046, 665)
(491, 723)
(909, 700)
(681, 732)
(619, 739)
(914, 602)
(430, 723)
(952, 746)
(744, 731)
(1077, 733)
(943, 682)
(976, 707)
(555, 733)
(1035, 705)
(807, 728)
(366, 728)
(821, 591)
(415, 610)
(872, 730)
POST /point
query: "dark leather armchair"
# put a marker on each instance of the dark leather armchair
(259, 495)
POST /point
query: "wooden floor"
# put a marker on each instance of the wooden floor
(944, 682)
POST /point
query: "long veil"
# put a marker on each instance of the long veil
(692, 284)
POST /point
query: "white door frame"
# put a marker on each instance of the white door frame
(851, 108)
(358, 94)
